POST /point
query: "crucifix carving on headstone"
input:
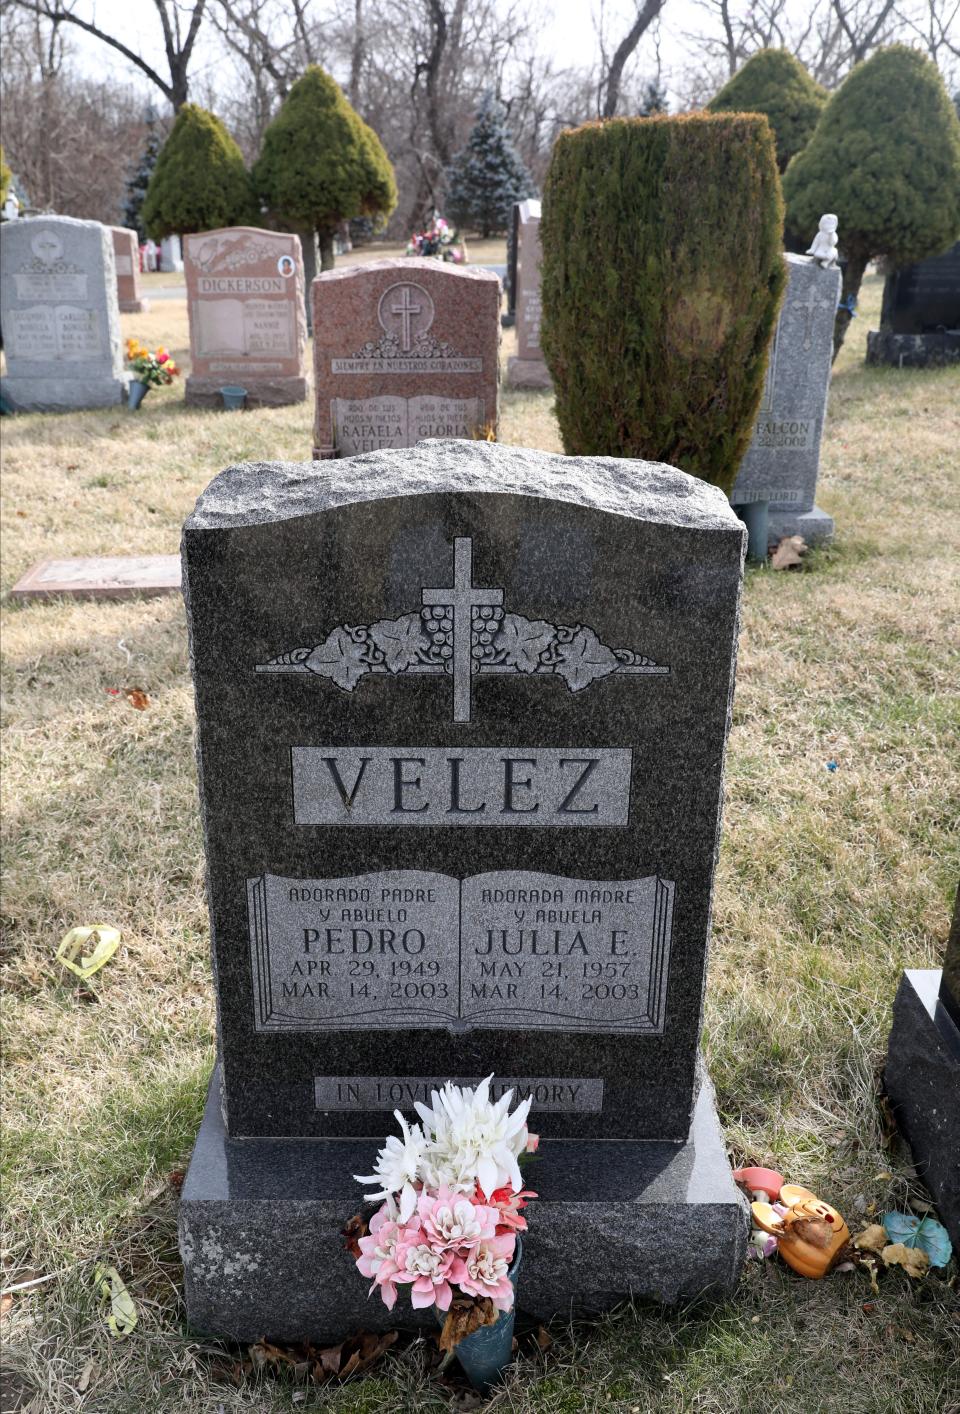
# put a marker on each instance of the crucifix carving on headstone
(462, 597)
(808, 308)
(405, 310)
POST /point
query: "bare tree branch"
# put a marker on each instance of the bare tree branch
(625, 48)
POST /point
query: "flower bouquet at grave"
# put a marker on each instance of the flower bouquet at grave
(439, 242)
(151, 370)
(448, 1228)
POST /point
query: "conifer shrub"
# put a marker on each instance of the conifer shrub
(199, 181)
(661, 280)
(774, 82)
(487, 176)
(321, 164)
(885, 158)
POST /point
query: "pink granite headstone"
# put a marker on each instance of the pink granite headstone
(527, 369)
(403, 350)
(248, 325)
(126, 251)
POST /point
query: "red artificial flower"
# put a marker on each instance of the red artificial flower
(508, 1205)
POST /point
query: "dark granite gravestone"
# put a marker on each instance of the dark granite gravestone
(922, 1074)
(462, 712)
(920, 316)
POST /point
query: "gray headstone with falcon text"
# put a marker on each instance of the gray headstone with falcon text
(782, 463)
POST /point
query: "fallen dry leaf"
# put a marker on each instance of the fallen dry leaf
(352, 1231)
(543, 1338)
(83, 1384)
(5, 1303)
(466, 1315)
(788, 553)
(913, 1260)
(137, 698)
(871, 1239)
(306, 1362)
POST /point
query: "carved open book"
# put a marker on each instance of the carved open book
(415, 949)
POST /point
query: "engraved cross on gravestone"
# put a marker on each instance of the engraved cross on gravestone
(405, 310)
(462, 598)
(808, 309)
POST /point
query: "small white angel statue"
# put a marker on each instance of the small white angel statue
(824, 248)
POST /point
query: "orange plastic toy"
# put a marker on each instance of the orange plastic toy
(810, 1234)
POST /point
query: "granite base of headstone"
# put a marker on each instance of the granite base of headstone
(260, 1229)
(60, 316)
(782, 463)
(245, 300)
(922, 1075)
(920, 315)
(461, 712)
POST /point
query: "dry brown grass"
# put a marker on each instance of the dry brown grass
(829, 884)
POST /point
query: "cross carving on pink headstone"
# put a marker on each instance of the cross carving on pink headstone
(405, 310)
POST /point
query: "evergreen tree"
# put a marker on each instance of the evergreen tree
(199, 182)
(486, 177)
(654, 99)
(321, 164)
(885, 158)
(139, 181)
(774, 82)
(658, 300)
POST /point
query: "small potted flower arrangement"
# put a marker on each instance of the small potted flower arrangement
(153, 370)
(439, 242)
(449, 1224)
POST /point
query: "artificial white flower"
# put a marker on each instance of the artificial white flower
(470, 1140)
(398, 1168)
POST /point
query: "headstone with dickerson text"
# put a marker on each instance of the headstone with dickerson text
(920, 318)
(783, 460)
(247, 321)
(126, 253)
(59, 314)
(527, 369)
(404, 350)
(462, 713)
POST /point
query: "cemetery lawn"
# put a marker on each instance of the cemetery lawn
(830, 882)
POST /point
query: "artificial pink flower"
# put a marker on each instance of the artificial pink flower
(453, 1222)
(533, 1142)
(508, 1205)
(379, 1253)
(485, 1270)
(427, 1272)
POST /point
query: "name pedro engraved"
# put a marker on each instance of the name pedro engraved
(474, 786)
(417, 949)
(565, 1095)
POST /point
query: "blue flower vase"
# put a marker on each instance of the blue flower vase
(233, 398)
(136, 392)
(486, 1353)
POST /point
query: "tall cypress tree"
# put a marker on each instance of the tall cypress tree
(487, 176)
(321, 164)
(885, 157)
(199, 182)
